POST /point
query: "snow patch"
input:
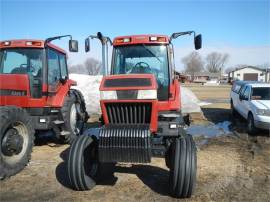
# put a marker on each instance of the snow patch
(89, 87)
(189, 101)
(204, 103)
(209, 131)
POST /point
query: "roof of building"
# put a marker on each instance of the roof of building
(252, 67)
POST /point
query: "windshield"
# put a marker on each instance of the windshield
(144, 59)
(21, 61)
(262, 93)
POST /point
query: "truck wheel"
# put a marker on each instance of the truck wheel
(234, 112)
(74, 116)
(83, 163)
(183, 167)
(17, 138)
(251, 126)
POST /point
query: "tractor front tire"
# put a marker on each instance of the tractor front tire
(83, 163)
(16, 138)
(183, 169)
(74, 116)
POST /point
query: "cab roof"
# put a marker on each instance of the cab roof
(141, 39)
(28, 43)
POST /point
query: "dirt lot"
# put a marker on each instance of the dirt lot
(235, 167)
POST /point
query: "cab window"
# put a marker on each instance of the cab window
(53, 67)
(63, 65)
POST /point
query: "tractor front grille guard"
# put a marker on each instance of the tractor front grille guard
(129, 113)
(125, 143)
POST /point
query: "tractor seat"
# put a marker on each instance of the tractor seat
(19, 70)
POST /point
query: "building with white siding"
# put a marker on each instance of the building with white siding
(250, 73)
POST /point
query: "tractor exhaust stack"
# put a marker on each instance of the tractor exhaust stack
(104, 42)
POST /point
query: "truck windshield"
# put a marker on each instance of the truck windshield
(21, 61)
(262, 93)
(144, 59)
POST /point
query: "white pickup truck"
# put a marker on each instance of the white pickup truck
(252, 101)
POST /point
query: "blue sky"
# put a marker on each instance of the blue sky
(241, 28)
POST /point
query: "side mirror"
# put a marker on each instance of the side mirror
(73, 46)
(198, 42)
(63, 79)
(87, 45)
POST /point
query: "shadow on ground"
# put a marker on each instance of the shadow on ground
(217, 115)
(155, 178)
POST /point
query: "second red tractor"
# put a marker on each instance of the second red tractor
(35, 95)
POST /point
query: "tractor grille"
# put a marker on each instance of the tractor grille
(129, 113)
(125, 143)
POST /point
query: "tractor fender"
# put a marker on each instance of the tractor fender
(79, 97)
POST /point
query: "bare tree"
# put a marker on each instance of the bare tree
(215, 61)
(193, 63)
(92, 66)
(229, 69)
(79, 69)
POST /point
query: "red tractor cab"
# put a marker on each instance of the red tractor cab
(35, 95)
(141, 111)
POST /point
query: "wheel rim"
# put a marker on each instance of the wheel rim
(73, 117)
(14, 143)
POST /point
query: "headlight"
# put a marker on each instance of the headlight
(108, 95)
(142, 95)
(147, 94)
(263, 112)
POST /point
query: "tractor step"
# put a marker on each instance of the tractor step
(58, 122)
(64, 133)
(125, 143)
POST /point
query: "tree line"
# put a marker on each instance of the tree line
(192, 63)
(214, 62)
(91, 66)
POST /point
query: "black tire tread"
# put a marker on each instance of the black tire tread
(9, 114)
(76, 171)
(184, 167)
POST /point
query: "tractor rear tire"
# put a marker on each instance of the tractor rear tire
(183, 169)
(16, 140)
(74, 116)
(83, 163)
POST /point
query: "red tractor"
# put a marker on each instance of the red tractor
(141, 112)
(35, 95)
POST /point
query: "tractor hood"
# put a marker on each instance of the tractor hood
(14, 93)
(128, 87)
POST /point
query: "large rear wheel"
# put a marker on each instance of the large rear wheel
(183, 167)
(74, 116)
(17, 137)
(83, 163)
